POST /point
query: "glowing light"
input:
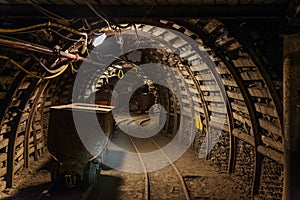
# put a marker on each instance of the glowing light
(99, 40)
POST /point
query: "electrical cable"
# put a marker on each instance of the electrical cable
(34, 74)
(99, 15)
(67, 38)
(52, 71)
(73, 69)
(49, 24)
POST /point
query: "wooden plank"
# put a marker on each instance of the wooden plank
(235, 95)
(272, 143)
(18, 166)
(39, 135)
(185, 73)
(199, 109)
(5, 129)
(214, 98)
(259, 92)
(21, 128)
(200, 67)
(193, 90)
(223, 39)
(229, 82)
(251, 75)
(233, 45)
(212, 25)
(273, 154)
(204, 77)
(186, 54)
(4, 143)
(242, 135)
(239, 107)
(3, 171)
(24, 86)
(31, 150)
(37, 117)
(196, 99)
(167, 36)
(15, 102)
(194, 58)
(269, 126)
(2, 182)
(218, 109)
(266, 109)
(190, 81)
(24, 117)
(3, 157)
(37, 127)
(222, 70)
(19, 152)
(209, 88)
(243, 62)
(242, 118)
(179, 43)
(219, 126)
(19, 140)
(40, 145)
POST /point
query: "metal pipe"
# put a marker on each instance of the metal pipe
(38, 48)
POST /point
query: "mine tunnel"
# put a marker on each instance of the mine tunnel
(140, 99)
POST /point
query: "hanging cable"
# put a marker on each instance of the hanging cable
(73, 69)
(49, 24)
(31, 73)
(99, 15)
(52, 71)
(48, 13)
(138, 41)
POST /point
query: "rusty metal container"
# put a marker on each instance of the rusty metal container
(78, 150)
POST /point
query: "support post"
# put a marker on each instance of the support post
(291, 107)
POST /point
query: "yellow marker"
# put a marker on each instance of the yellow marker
(198, 122)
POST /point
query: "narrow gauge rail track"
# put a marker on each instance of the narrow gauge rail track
(147, 191)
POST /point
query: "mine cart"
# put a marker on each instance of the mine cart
(75, 142)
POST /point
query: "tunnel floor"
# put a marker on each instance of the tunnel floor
(200, 178)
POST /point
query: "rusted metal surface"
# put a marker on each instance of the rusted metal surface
(38, 48)
(30, 121)
(291, 99)
(66, 143)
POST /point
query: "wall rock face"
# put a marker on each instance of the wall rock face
(271, 185)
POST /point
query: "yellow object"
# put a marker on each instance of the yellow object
(198, 122)
(120, 74)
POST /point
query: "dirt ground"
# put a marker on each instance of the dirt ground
(202, 178)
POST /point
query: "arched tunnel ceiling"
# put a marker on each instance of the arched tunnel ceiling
(237, 78)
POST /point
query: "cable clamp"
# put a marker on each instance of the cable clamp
(76, 58)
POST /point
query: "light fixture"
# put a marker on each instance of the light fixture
(99, 40)
(118, 66)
